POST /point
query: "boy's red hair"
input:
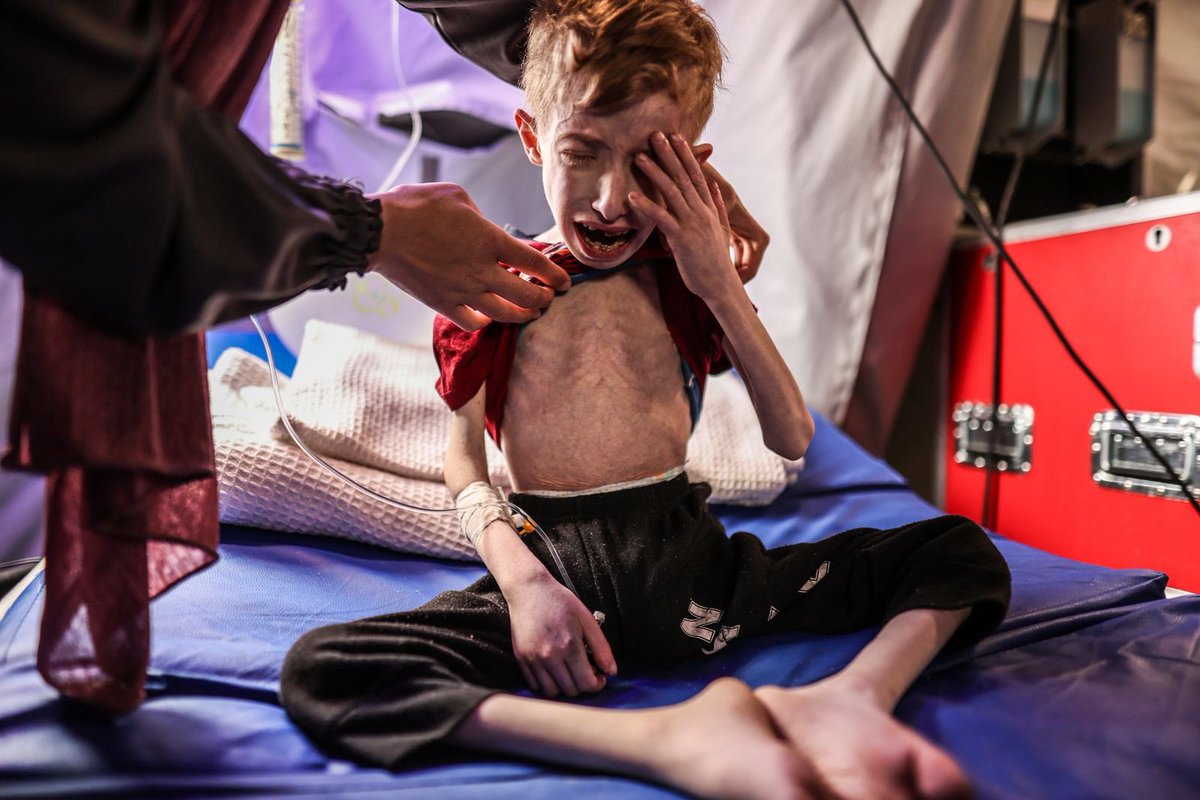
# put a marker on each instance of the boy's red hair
(602, 55)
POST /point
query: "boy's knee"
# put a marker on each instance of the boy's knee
(955, 524)
(957, 534)
(305, 654)
(962, 541)
(330, 669)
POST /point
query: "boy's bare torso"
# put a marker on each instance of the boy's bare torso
(596, 395)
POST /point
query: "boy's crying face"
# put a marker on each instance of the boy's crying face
(588, 172)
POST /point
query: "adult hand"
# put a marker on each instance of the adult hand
(557, 641)
(438, 247)
(747, 239)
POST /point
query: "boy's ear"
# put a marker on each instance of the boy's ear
(527, 130)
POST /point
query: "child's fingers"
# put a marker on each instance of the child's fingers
(582, 672)
(711, 173)
(687, 159)
(670, 191)
(561, 674)
(530, 681)
(546, 684)
(719, 201)
(653, 212)
(602, 654)
(668, 155)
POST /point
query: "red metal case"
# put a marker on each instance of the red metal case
(1124, 286)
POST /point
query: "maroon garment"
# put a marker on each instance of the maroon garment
(218, 49)
(120, 425)
(467, 359)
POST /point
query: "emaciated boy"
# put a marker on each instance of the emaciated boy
(593, 404)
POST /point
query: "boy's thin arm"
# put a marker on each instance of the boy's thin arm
(691, 214)
(557, 642)
(786, 422)
(502, 551)
(466, 458)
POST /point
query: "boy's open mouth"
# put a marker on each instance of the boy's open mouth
(601, 243)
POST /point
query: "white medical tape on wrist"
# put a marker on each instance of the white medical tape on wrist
(479, 505)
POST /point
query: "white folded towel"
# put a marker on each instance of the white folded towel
(266, 483)
(370, 405)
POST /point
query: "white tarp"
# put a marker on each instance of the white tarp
(1173, 157)
(860, 222)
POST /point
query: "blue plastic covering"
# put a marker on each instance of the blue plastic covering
(1091, 688)
(243, 336)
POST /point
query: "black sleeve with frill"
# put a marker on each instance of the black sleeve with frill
(128, 202)
(492, 33)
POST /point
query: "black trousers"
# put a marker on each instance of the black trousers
(672, 586)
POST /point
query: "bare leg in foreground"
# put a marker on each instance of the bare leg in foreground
(844, 725)
(719, 744)
(833, 739)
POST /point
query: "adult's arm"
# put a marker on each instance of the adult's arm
(489, 32)
(131, 204)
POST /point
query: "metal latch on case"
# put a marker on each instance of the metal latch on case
(1008, 449)
(1121, 460)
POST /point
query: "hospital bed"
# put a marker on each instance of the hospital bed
(1089, 689)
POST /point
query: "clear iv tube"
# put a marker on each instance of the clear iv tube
(417, 126)
(367, 490)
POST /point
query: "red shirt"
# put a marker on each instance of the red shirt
(467, 359)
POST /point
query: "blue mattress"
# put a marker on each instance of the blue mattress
(1090, 689)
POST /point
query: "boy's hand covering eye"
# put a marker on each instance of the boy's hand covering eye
(690, 212)
(439, 248)
(557, 641)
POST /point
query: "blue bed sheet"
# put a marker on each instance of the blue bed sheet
(1090, 689)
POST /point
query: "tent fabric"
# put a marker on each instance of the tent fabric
(1172, 162)
(860, 219)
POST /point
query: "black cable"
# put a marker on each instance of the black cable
(991, 478)
(977, 217)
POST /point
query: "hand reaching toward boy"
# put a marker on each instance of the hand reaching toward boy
(439, 248)
(747, 239)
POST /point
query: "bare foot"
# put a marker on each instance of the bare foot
(858, 749)
(722, 744)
